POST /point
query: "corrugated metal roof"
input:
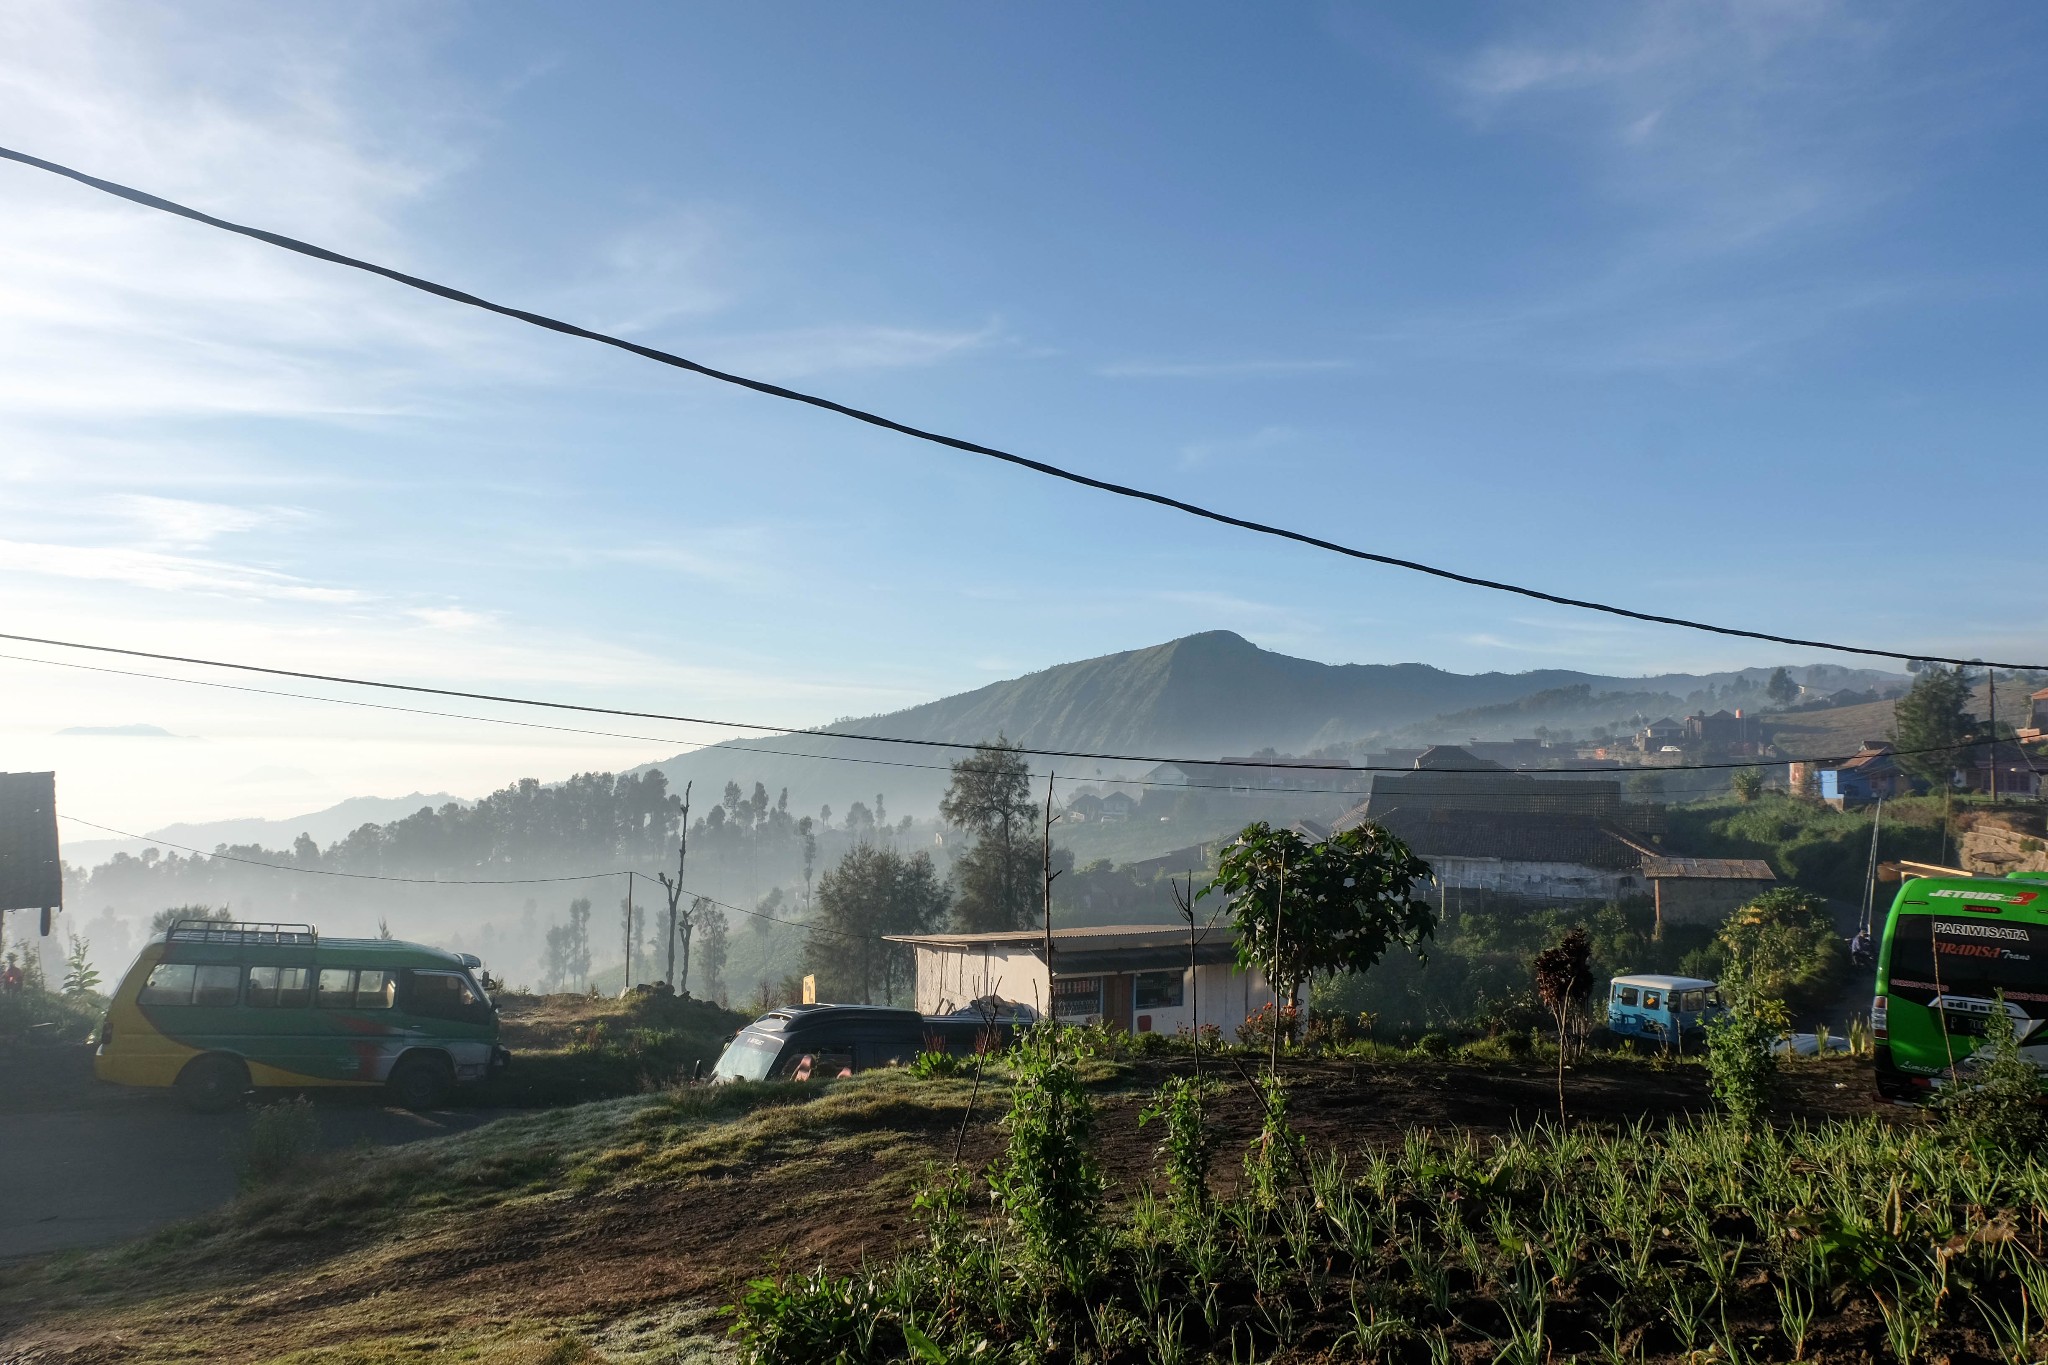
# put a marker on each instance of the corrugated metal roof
(1513, 836)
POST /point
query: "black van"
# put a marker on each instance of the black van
(819, 1042)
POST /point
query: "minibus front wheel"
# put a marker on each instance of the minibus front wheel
(420, 1080)
(213, 1084)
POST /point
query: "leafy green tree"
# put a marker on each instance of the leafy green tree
(1783, 946)
(1931, 716)
(712, 948)
(990, 798)
(164, 919)
(872, 891)
(80, 978)
(1747, 784)
(1305, 909)
(1781, 689)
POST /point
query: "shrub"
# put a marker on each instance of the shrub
(1257, 1029)
(1433, 1045)
(1995, 1102)
(1275, 1162)
(1189, 1146)
(1047, 1181)
(283, 1139)
(1739, 1053)
(932, 1065)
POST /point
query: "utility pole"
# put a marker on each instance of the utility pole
(1052, 1010)
(675, 888)
(1870, 875)
(629, 934)
(1991, 700)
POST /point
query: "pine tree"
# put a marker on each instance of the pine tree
(990, 798)
(1931, 716)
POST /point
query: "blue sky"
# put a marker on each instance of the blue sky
(1729, 311)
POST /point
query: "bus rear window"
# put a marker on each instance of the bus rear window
(1975, 958)
(170, 983)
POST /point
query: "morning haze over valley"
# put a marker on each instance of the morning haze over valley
(1115, 684)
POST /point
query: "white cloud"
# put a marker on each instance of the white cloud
(182, 522)
(798, 352)
(1218, 369)
(162, 571)
(451, 618)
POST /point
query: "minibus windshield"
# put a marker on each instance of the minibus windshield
(749, 1057)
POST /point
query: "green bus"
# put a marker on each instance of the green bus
(1952, 948)
(213, 1009)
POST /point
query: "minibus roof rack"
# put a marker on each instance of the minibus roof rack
(239, 932)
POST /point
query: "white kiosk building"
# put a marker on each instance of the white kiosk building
(1133, 977)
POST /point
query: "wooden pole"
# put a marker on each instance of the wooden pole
(628, 984)
(675, 892)
(1045, 853)
(1991, 702)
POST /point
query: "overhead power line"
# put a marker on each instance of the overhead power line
(957, 745)
(669, 358)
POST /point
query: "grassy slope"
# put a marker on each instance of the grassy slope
(567, 1048)
(613, 1230)
(1825, 851)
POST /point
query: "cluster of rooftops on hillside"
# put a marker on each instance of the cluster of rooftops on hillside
(1551, 837)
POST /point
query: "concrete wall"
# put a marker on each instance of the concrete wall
(948, 979)
(1706, 900)
(1546, 881)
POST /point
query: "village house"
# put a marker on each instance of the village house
(1872, 775)
(1730, 730)
(1512, 753)
(2037, 719)
(1258, 774)
(1133, 977)
(1116, 808)
(1546, 838)
(2019, 773)
(1659, 735)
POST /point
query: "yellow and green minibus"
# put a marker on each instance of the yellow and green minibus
(1954, 950)
(212, 1009)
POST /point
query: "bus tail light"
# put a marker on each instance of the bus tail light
(1879, 1014)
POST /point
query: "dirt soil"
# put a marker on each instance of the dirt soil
(635, 1271)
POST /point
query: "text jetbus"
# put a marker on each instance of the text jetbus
(1952, 948)
(214, 1009)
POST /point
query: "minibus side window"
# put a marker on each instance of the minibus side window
(337, 989)
(217, 986)
(445, 995)
(170, 983)
(1651, 1000)
(1627, 995)
(375, 990)
(280, 987)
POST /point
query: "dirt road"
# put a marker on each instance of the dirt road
(82, 1164)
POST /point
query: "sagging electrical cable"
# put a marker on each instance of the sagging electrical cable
(669, 358)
